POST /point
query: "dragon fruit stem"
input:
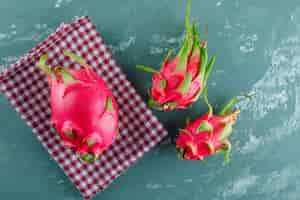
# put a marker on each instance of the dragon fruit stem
(65, 74)
(146, 69)
(231, 118)
(210, 108)
(78, 59)
(57, 71)
(227, 150)
(43, 66)
(228, 105)
(75, 57)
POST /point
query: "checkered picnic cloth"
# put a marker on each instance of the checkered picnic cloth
(26, 88)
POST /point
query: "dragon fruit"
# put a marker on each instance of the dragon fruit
(84, 111)
(181, 80)
(208, 134)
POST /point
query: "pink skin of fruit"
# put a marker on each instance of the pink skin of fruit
(167, 85)
(181, 80)
(207, 135)
(84, 111)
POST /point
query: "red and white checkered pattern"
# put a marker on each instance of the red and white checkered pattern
(26, 88)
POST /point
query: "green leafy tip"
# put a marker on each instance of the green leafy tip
(195, 33)
(203, 59)
(42, 64)
(226, 132)
(187, 15)
(152, 104)
(163, 84)
(75, 57)
(167, 57)
(188, 42)
(196, 46)
(208, 69)
(205, 126)
(226, 108)
(58, 71)
(65, 74)
(89, 158)
(183, 55)
(147, 69)
(109, 104)
(186, 83)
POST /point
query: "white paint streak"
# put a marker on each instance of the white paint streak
(156, 50)
(3, 36)
(290, 125)
(32, 36)
(157, 186)
(278, 181)
(271, 91)
(123, 45)
(58, 3)
(278, 88)
(158, 39)
(219, 3)
(227, 24)
(13, 26)
(240, 186)
(162, 43)
(248, 43)
(9, 59)
(170, 186)
(188, 180)
(252, 144)
(153, 186)
(40, 26)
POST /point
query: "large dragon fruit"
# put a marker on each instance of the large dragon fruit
(181, 80)
(84, 111)
(208, 135)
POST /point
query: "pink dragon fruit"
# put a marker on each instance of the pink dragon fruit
(181, 80)
(84, 111)
(208, 134)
